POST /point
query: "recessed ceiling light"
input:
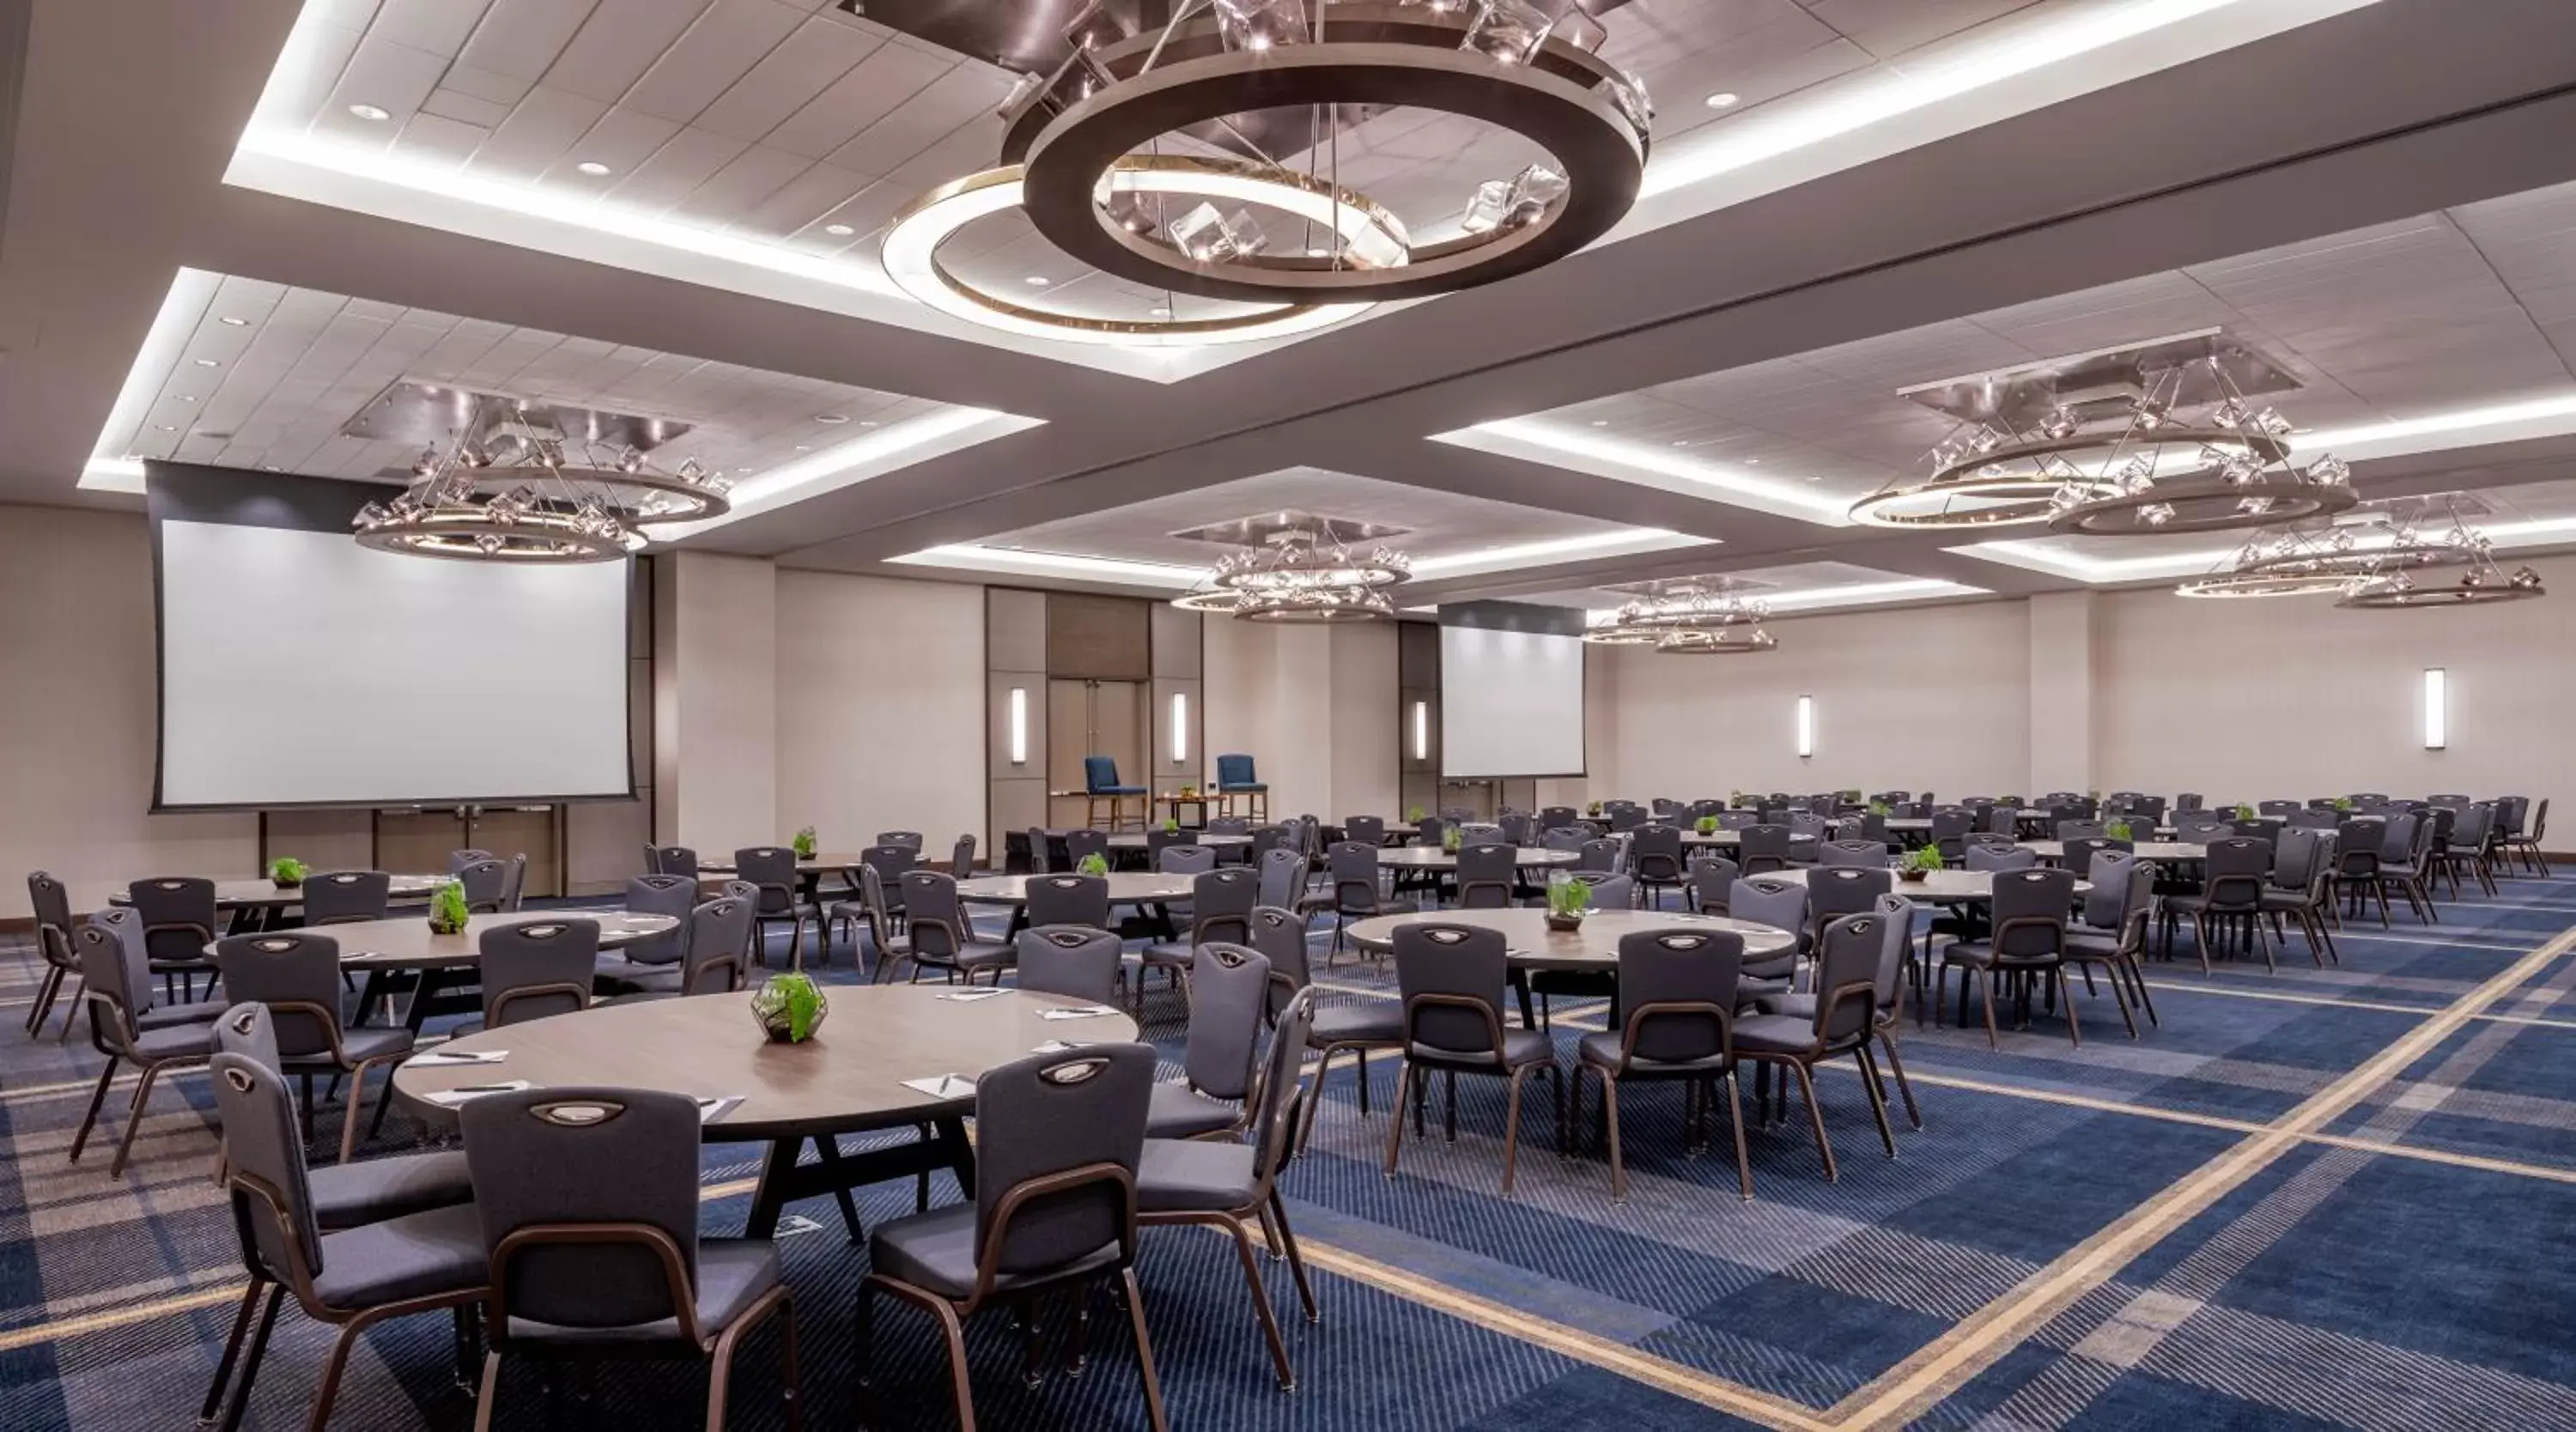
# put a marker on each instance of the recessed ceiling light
(208, 363)
(1723, 99)
(232, 322)
(371, 113)
(187, 397)
(867, 422)
(1753, 462)
(1600, 422)
(1037, 280)
(1681, 442)
(591, 166)
(164, 427)
(831, 417)
(800, 447)
(839, 231)
(1161, 312)
(270, 467)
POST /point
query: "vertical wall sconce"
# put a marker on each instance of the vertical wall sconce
(1806, 727)
(1019, 725)
(1180, 727)
(2437, 708)
(1422, 730)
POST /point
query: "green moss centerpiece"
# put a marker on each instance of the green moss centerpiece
(2118, 830)
(789, 1008)
(1092, 864)
(447, 912)
(1451, 838)
(804, 844)
(287, 872)
(1918, 864)
(1567, 900)
(1705, 825)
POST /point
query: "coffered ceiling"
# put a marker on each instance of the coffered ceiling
(1895, 191)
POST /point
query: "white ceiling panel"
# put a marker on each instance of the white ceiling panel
(731, 37)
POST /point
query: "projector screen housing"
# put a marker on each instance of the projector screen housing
(298, 669)
(1511, 691)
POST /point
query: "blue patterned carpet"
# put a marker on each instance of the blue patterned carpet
(2317, 1198)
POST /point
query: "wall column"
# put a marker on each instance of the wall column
(715, 702)
(2062, 725)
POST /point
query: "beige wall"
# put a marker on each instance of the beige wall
(2291, 698)
(1933, 697)
(79, 710)
(880, 708)
(1365, 729)
(1314, 706)
(716, 706)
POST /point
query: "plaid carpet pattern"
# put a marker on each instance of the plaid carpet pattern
(2326, 1197)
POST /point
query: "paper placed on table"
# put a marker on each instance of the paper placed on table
(455, 1058)
(1079, 1011)
(969, 996)
(453, 1097)
(943, 1086)
(712, 1109)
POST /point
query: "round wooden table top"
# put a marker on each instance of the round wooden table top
(1729, 839)
(822, 862)
(1135, 840)
(1593, 947)
(847, 1078)
(1944, 887)
(1424, 857)
(2055, 850)
(266, 894)
(406, 942)
(1126, 887)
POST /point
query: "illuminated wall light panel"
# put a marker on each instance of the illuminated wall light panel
(2437, 708)
(1180, 727)
(1422, 730)
(1019, 725)
(1806, 727)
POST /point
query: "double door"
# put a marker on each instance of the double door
(1093, 718)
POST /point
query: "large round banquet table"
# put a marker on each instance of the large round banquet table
(1150, 894)
(850, 1078)
(1592, 948)
(1938, 887)
(2170, 851)
(256, 903)
(405, 944)
(1424, 857)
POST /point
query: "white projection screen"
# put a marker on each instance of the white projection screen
(298, 668)
(1511, 691)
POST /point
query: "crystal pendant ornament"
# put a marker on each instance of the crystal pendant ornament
(1261, 24)
(1506, 30)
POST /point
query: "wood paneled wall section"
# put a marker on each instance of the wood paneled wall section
(1098, 638)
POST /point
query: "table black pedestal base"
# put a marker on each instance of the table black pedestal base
(785, 1178)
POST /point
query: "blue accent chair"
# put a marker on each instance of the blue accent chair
(1099, 783)
(1235, 777)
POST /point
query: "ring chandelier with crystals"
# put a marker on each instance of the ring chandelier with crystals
(2460, 570)
(505, 490)
(2326, 558)
(1081, 156)
(1688, 616)
(2142, 464)
(1301, 573)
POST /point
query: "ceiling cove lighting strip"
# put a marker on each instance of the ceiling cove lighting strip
(112, 466)
(2037, 556)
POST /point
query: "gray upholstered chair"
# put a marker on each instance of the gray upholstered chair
(588, 1214)
(116, 986)
(632, 966)
(1080, 845)
(1078, 962)
(1279, 936)
(344, 897)
(1229, 995)
(346, 1195)
(1713, 879)
(1994, 856)
(1834, 891)
(1221, 904)
(2300, 888)
(486, 882)
(1762, 848)
(2522, 836)
(352, 1278)
(2470, 849)
(2078, 829)
(53, 911)
(178, 920)
(457, 860)
(1655, 861)
(296, 973)
(1887, 992)
(1234, 1183)
(1844, 1020)
(2078, 852)
(1453, 979)
(2236, 870)
(1780, 902)
(1283, 877)
(1068, 900)
(536, 969)
(771, 869)
(671, 860)
(1867, 854)
(2357, 846)
(1367, 829)
(1481, 832)
(890, 862)
(874, 912)
(715, 958)
(1599, 855)
(1058, 1137)
(1677, 1009)
(1563, 837)
(1485, 874)
(1352, 867)
(961, 858)
(2110, 929)
(909, 839)
(938, 935)
(2027, 943)
(514, 881)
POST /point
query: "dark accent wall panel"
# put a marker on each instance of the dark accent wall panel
(1094, 638)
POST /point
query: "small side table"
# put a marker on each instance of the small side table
(1197, 805)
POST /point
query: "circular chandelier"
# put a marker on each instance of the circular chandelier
(1689, 616)
(1082, 156)
(2458, 570)
(2121, 451)
(505, 490)
(1301, 573)
(2319, 559)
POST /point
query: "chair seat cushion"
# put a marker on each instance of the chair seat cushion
(1386, 905)
(1374, 1022)
(1798, 1006)
(1237, 787)
(1750, 991)
(1177, 1111)
(975, 955)
(375, 1042)
(2092, 944)
(1169, 954)
(1774, 1034)
(414, 1256)
(935, 1251)
(165, 1016)
(1520, 1046)
(733, 1273)
(1194, 1176)
(177, 1041)
(347, 1195)
(619, 975)
(1601, 1050)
